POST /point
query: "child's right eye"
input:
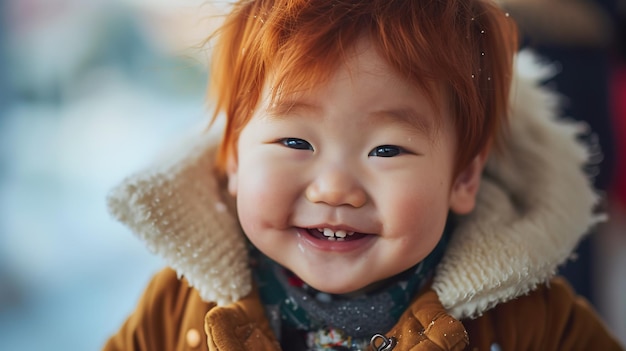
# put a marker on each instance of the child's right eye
(295, 143)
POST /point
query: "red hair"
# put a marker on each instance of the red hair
(468, 45)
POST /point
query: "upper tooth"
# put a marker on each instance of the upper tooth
(334, 234)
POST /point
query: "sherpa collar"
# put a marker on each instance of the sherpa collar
(534, 205)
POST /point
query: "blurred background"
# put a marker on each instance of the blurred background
(92, 90)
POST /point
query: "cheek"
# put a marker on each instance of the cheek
(262, 196)
(420, 210)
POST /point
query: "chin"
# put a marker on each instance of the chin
(339, 289)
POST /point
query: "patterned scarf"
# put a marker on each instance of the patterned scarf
(336, 322)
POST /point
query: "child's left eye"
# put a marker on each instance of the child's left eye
(386, 151)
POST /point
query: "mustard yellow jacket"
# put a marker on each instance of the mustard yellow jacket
(172, 316)
(534, 205)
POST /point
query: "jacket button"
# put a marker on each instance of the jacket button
(193, 338)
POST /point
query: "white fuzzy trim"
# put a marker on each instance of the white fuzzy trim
(177, 209)
(534, 206)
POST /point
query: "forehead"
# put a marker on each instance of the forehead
(366, 80)
(364, 71)
(298, 70)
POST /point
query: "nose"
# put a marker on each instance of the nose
(336, 187)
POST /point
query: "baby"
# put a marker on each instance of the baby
(348, 203)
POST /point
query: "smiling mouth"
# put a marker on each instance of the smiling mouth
(332, 235)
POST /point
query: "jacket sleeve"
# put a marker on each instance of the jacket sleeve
(551, 318)
(160, 317)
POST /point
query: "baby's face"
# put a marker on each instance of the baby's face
(350, 183)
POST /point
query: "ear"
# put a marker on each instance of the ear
(466, 185)
(231, 172)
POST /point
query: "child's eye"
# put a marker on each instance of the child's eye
(386, 151)
(295, 143)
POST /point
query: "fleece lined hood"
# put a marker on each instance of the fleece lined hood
(534, 205)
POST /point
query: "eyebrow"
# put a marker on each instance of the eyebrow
(283, 108)
(404, 115)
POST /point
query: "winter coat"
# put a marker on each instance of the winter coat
(494, 284)
(172, 316)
